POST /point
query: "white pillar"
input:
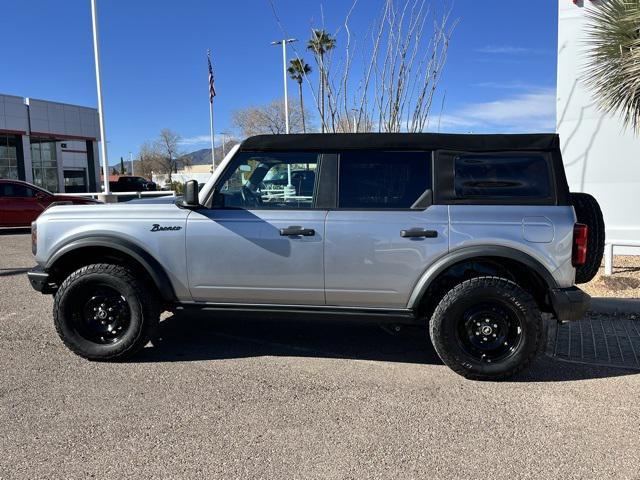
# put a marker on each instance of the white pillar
(608, 259)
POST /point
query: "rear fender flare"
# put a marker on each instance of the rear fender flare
(458, 256)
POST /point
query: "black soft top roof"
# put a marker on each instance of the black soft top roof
(402, 141)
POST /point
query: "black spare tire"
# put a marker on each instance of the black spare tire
(588, 212)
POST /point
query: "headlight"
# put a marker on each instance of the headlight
(34, 237)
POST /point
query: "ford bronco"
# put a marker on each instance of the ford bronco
(475, 237)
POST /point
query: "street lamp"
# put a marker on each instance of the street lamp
(289, 189)
(103, 135)
(224, 140)
(284, 77)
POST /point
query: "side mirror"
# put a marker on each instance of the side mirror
(191, 194)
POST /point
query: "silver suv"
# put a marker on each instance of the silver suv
(473, 235)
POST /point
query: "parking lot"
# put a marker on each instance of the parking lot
(239, 399)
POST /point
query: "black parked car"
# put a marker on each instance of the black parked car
(128, 183)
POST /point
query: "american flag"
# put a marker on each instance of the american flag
(212, 88)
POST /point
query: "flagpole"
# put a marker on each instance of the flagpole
(213, 160)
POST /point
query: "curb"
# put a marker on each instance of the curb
(615, 305)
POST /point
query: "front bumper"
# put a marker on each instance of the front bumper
(569, 303)
(39, 280)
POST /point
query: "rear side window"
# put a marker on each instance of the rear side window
(15, 190)
(502, 175)
(382, 180)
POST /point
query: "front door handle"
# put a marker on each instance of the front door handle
(418, 232)
(297, 232)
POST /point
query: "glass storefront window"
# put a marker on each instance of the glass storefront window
(9, 156)
(45, 164)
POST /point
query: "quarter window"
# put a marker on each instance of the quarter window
(504, 175)
(382, 180)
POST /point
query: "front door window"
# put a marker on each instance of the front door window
(271, 180)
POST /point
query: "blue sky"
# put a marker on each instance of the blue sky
(500, 74)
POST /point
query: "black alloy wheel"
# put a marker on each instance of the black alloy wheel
(489, 332)
(102, 315)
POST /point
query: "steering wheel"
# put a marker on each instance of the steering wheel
(249, 197)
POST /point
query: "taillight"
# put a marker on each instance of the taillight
(579, 253)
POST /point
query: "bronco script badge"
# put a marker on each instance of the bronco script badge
(158, 228)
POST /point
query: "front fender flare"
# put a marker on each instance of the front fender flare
(149, 263)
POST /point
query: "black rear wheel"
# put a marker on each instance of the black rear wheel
(486, 328)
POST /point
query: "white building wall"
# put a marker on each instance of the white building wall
(600, 156)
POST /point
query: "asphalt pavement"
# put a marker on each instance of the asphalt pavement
(245, 399)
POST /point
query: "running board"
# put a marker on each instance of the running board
(292, 312)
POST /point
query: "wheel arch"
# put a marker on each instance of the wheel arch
(483, 260)
(83, 251)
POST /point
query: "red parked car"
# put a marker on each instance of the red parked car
(22, 202)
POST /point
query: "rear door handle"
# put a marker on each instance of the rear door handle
(297, 232)
(418, 232)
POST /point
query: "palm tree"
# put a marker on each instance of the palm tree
(613, 66)
(320, 43)
(298, 69)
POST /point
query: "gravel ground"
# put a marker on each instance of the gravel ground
(624, 283)
(240, 399)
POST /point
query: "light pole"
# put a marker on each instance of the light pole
(103, 135)
(284, 77)
(224, 140)
(289, 189)
(131, 161)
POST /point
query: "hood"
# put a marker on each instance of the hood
(165, 199)
(69, 198)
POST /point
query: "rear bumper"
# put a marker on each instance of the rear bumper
(39, 280)
(569, 303)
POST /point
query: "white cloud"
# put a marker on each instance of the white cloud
(506, 50)
(527, 112)
(517, 85)
(196, 140)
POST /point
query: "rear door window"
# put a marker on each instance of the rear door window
(494, 176)
(382, 180)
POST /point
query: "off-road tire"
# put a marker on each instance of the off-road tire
(142, 299)
(443, 327)
(588, 212)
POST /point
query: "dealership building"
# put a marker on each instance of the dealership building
(601, 156)
(52, 145)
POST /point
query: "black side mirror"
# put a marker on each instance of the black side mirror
(191, 194)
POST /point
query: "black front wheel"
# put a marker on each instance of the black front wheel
(103, 312)
(486, 328)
